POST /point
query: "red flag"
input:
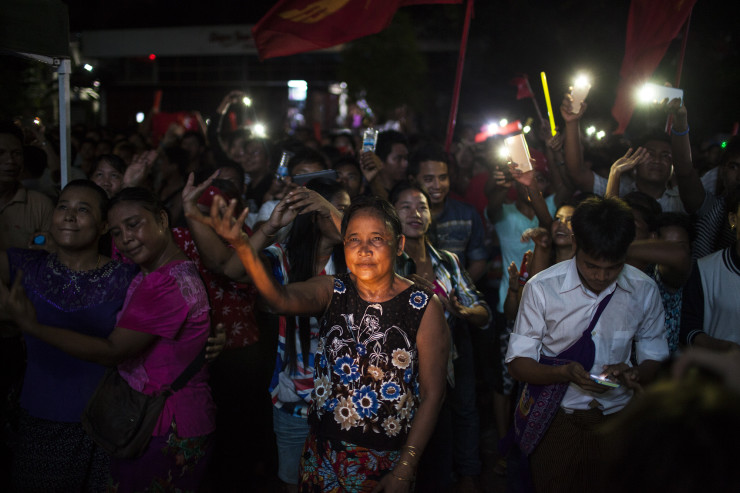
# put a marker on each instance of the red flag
(296, 26)
(651, 26)
(522, 87)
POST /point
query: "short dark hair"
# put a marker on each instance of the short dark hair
(427, 152)
(647, 206)
(386, 140)
(179, 157)
(306, 155)
(402, 187)
(733, 201)
(603, 228)
(652, 135)
(731, 150)
(143, 196)
(346, 160)
(679, 219)
(377, 205)
(34, 161)
(8, 127)
(195, 134)
(103, 200)
(114, 161)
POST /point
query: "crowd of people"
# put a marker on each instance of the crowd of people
(367, 312)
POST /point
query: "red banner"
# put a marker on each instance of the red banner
(297, 26)
(651, 26)
(522, 87)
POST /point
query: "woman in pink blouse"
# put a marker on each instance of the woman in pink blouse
(162, 327)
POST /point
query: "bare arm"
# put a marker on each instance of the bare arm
(302, 298)
(432, 343)
(673, 259)
(513, 294)
(540, 259)
(120, 345)
(581, 175)
(621, 166)
(690, 187)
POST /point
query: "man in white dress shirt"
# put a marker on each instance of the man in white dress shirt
(555, 313)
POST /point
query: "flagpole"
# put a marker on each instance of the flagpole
(679, 69)
(458, 76)
(534, 100)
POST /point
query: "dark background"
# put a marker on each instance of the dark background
(506, 38)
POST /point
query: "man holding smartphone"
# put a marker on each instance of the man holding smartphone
(617, 305)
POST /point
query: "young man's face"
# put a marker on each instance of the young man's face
(11, 158)
(659, 167)
(396, 163)
(597, 274)
(435, 181)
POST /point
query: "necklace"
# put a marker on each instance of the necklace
(97, 264)
(168, 259)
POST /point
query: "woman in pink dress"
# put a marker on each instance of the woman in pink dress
(162, 327)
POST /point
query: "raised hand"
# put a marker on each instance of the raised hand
(630, 160)
(370, 165)
(526, 178)
(139, 168)
(222, 221)
(191, 194)
(540, 236)
(567, 105)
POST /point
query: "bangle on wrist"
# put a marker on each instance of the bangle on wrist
(680, 134)
(401, 479)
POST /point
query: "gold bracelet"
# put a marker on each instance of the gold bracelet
(400, 478)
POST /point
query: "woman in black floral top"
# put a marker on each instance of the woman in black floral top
(380, 375)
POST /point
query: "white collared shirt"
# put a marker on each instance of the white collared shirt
(556, 308)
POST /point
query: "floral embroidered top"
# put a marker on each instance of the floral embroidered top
(366, 387)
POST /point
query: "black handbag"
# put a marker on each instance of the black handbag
(121, 419)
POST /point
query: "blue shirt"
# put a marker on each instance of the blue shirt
(459, 229)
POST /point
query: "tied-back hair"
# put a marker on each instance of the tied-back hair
(143, 196)
(103, 200)
(381, 207)
(603, 228)
(301, 249)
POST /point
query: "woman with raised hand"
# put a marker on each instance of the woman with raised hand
(383, 344)
(162, 326)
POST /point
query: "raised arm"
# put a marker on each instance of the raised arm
(622, 166)
(302, 298)
(581, 175)
(690, 188)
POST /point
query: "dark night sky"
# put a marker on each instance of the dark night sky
(506, 38)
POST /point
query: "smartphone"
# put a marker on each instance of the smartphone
(602, 380)
(654, 93)
(579, 93)
(519, 152)
(328, 174)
